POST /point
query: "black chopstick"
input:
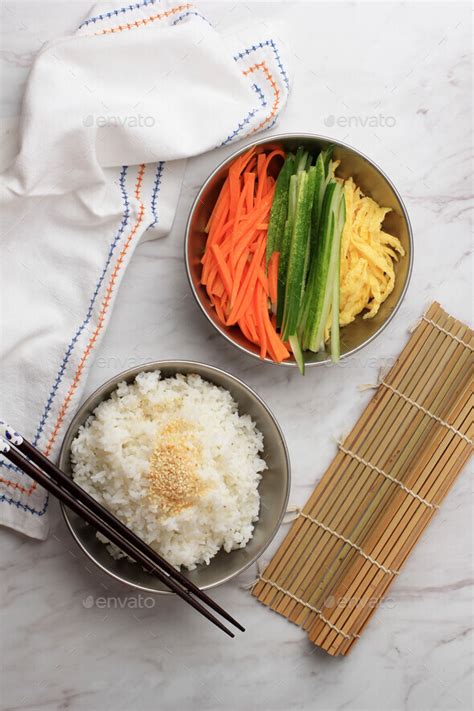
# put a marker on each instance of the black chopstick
(61, 478)
(124, 543)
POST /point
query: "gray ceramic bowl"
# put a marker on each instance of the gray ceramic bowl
(370, 179)
(274, 487)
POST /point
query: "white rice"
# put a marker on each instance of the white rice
(111, 461)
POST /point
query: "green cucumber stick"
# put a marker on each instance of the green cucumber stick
(335, 341)
(285, 249)
(312, 178)
(296, 258)
(327, 157)
(279, 210)
(301, 159)
(297, 352)
(294, 338)
(319, 188)
(316, 288)
(317, 342)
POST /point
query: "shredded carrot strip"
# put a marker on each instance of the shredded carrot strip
(263, 279)
(252, 327)
(262, 170)
(259, 307)
(248, 286)
(273, 276)
(249, 179)
(243, 325)
(223, 268)
(279, 349)
(219, 310)
(218, 206)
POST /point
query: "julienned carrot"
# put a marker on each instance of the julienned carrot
(223, 268)
(234, 264)
(218, 288)
(263, 279)
(245, 329)
(244, 297)
(262, 165)
(259, 307)
(275, 344)
(249, 184)
(250, 321)
(218, 206)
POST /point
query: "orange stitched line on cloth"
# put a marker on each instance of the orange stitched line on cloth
(24, 489)
(276, 92)
(145, 20)
(102, 314)
(100, 322)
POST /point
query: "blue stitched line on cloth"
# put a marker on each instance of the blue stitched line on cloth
(261, 45)
(249, 116)
(116, 13)
(156, 190)
(70, 348)
(25, 507)
(260, 93)
(190, 12)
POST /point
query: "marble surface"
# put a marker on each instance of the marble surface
(408, 65)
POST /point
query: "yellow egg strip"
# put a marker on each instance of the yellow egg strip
(367, 275)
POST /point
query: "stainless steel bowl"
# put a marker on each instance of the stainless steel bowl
(370, 179)
(274, 487)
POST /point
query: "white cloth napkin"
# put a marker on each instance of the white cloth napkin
(109, 115)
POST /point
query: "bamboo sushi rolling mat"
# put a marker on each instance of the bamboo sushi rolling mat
(381, 490)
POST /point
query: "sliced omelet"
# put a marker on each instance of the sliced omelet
(367, 274)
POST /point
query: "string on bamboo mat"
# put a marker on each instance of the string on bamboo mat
(443, 330)
(309, 607)
(321, 577)
(350, 543)
(426, 412)
(387, 476)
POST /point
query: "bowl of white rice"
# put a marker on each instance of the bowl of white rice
(188, 457)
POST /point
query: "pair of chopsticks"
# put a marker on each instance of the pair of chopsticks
(26, 457)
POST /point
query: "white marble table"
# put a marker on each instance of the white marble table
(408, 65)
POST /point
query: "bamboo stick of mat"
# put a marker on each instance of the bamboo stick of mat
(379, 493)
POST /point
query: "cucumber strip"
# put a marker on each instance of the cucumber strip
(285, 250)
(297, 352)
(282, 267)
(301, 159)
(327, 157)
(323, 176)
(315, 292)
(319, 188)
(295, 279)
(312, 179)
(332, 278)
(279, 208)
(317, 342)
(335, 341)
